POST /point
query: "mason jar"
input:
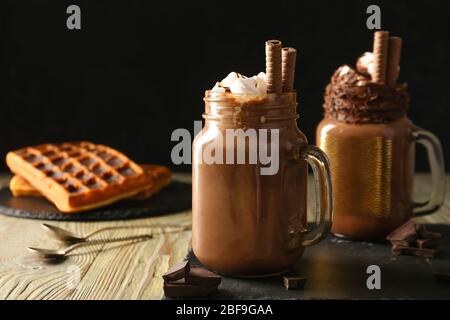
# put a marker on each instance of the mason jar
(370, 142)
(250, 186)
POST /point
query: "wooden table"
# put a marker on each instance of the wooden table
(129, 270)
(111, 271)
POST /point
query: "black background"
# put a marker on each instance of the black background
(138, 69)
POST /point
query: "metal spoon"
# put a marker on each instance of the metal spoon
(70, 237)
(61, 253)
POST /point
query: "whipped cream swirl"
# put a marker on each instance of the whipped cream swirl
(239, 84)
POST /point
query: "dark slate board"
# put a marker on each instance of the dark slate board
(336, 269)
(174, 198)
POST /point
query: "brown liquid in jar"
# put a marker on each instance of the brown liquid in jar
(245, 223)
(369, 142)
(372, 169)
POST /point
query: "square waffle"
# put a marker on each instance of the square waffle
(160, 176)
(78, 176)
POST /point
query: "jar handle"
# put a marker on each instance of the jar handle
(319, 163)
(437, 167)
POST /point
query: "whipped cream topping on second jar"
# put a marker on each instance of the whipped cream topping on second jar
(241, 85)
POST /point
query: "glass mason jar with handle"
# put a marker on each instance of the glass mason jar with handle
(371, 146)
(246, 221)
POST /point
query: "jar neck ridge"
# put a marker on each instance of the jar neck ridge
(265, 111)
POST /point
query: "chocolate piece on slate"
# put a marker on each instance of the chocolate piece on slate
(172, 290)
(425, 253)
(430, 243)
(176, 272)
(405, 235)
(420, 252)
(442, 276)
(425, 234)
(294, 283)
(201, 276)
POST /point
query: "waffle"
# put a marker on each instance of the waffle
(78, 176)
(161, 177)
(20, 187)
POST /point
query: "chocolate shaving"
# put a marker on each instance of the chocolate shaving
(351, 97)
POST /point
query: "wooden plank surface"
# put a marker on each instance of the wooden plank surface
(112, 271)
(130, 270)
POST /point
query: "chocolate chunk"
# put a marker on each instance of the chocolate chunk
(429, 243)
(178, 271)
(442, 276)
(425, 234)
(406, 235)
(200, 276)
(294, 283)
(420, 252)
(428, 239)
(415, 239)
(172, 290)
(184, 281)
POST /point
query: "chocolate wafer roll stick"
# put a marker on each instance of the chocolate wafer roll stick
(395, 49)
(288, 59)
(380, 55)
(273, 66)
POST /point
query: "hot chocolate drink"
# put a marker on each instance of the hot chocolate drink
(250, 178)
(371, 146)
